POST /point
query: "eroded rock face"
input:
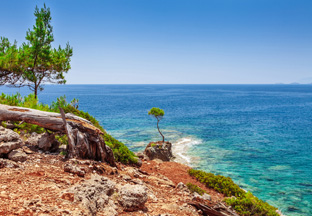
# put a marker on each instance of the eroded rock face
(71, 168)
(141, 156)
(47, 142)
(17, 155)
(132, 197)
(9, 140)
(203, 197)
(94, 194)
(182, 187)
(33, 139)
(8, 163)
(7, 135)
(159, 150)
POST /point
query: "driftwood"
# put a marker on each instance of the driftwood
(218, 210)
(85, 140)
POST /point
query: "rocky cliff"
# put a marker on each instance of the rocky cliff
(37, 182)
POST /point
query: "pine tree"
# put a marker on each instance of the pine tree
(34, 62)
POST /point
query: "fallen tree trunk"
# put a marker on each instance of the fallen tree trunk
(48, 120)
(85, 140)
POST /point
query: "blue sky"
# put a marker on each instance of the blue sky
(176, 41)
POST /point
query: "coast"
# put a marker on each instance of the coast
(216, 184)
(262, 144)
(42, 182)
(29, 154)
(185, 161)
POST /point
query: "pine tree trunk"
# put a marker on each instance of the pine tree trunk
(160, 132)
(36, 91)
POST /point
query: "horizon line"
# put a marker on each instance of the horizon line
(8, 85)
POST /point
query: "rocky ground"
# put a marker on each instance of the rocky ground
(35, 182)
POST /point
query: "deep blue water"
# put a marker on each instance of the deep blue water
(259, 135)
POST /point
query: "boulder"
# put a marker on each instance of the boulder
(34, 138)
(203, 197)
(47, 142)
(206, 197)
(159, 150)
(141, 156)
(7, 135)
(8, 163)
(132, 197)
(139, 162)
(7, 147)
(182, 187)
(94, 194)
(17, 155)
(9, 140)
(74, 169)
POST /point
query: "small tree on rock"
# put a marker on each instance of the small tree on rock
(158, 114)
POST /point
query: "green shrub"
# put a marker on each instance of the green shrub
(222, 184)
(63, 153)
(24, 128)
(194, 188)
(28, 101)
(120, 150)
(62, 139)
(246, 204)
(3, 124)
(12, 100)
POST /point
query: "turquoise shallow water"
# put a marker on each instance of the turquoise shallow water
(259, 135)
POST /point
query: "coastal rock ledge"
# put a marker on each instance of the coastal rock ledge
(159, 150)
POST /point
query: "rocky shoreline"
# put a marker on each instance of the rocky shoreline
(35, 181)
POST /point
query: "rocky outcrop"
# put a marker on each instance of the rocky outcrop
(5, 163)
(74, 169)
(159, 150)
(85, 141)
(132, 197)
(47, 142)
(7, 135)
(94, 195)
(34, 138)
(182, 187)
(9, 140)
(141, 156)
(205, 196)
(17, 155)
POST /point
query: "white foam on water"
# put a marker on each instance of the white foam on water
(139, 144)
(279, 167)
(180, 149)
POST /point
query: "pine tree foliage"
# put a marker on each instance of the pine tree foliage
(35, 62)
(158, 114)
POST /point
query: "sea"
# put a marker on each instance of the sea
(259, 135)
